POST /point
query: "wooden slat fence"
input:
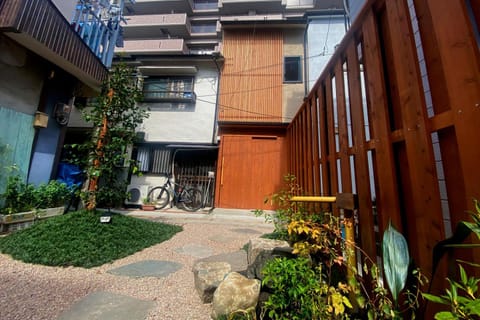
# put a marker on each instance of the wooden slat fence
(395, 118)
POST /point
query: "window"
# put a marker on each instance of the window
(153, 159)
(205, 4)
(169, 89)
(292, 69)
(204, 27)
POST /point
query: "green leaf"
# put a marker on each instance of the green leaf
(463, 275)
(445, 315)
(435, 298)
(395, 260)
(474, 307)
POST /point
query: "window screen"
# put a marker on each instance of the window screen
(154, 159)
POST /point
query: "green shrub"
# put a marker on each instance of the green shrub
(20, 196)
(285, 210)
(320, 284)
(52, 194)
(298, 291)
(463, 295)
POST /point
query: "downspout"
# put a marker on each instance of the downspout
(305, 57)
(215, 57)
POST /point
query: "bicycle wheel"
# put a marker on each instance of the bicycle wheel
(159, 196)
(191, 199)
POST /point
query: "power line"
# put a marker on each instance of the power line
(259, 89)
(266, 115)
(276, 64)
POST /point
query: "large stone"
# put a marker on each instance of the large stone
(260, 251)
(208, 276)
(235, 293)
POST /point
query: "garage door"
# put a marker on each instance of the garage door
(250, 168)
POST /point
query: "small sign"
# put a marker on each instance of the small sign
(105, 219)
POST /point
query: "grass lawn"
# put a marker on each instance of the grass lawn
(79, 239)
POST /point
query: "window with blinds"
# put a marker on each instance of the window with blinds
(154, 159)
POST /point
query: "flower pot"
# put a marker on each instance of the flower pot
(16, 221)
(50, 212)
(148, 207)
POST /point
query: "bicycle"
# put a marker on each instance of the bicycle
(190, 199)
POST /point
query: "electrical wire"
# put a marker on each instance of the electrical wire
(266, 115)
(259, 89)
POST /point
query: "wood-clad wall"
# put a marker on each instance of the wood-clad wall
(251, 83)
(395, 118)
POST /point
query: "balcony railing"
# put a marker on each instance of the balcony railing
(99, 27)
(169, 96)
(157, 25)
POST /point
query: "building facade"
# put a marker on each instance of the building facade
(222, 79)
(44, 65)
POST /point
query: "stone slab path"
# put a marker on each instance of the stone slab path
(108, 306)
(147, 268)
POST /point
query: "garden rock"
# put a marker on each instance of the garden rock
(260, 250)
(235, 293)
(208, 276)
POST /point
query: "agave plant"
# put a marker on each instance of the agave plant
(395, 260)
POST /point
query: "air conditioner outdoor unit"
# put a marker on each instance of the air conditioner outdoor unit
(137, 194)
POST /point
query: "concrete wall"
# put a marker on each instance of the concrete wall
(293, 93)
(194, 126)
(21, 77)
(24, 79)
(21, 80)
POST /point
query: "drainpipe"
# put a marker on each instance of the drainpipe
(215, 57)
(305, 57)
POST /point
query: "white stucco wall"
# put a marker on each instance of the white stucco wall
(187, 126)
(324, 34)
(355, 6)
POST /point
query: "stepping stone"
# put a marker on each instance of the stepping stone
(147, 268)
(236, 259)
(222, 238)
(246, 230)
(195, 250)
(108, 306)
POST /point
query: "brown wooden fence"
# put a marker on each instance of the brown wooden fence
(395, 118)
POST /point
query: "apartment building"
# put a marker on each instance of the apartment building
(222, 79)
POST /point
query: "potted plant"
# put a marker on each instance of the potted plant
(19, 202)
(23, 202)
(148, 205)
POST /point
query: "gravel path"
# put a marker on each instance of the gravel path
(37, 292)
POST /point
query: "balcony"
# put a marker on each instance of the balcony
(158, 6)
(292, 5)
(40, 27)
(157, 26)
(228, 7)
(164, 46)
(261, 7)
(205, 5)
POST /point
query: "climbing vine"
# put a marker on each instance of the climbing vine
(114, 114)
